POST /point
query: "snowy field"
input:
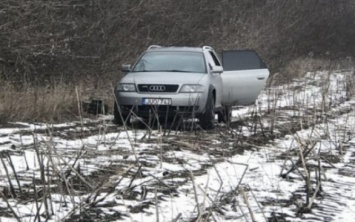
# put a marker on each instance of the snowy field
(289, 157)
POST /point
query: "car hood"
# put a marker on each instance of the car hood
(163, 78)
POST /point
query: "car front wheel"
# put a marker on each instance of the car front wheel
(207, 119)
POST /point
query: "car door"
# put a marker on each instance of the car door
(243, 78)
(216, 79)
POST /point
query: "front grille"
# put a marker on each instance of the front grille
(156, 88)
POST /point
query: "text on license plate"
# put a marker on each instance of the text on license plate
(156, 101)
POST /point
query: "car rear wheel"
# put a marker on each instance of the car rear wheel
(207, 120)
(117, 117)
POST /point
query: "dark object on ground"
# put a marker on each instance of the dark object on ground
(95, 107)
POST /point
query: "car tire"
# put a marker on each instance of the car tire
(207, 119)
(117, 117)
(225, 115)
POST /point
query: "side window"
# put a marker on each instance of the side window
(215, 59)
(241, 60)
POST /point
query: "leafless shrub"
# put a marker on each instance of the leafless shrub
(42, 103)
(78, 39)
(350, 85)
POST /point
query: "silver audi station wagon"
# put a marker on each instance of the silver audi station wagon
(169, 81)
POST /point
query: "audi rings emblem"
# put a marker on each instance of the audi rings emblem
(157, 88)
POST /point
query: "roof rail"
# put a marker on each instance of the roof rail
(154, 46)
(206, 47)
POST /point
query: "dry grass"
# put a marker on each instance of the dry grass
(43, 103)
(299, 67)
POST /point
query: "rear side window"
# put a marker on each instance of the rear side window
(241, 60)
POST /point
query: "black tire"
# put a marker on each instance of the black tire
(117, 117)
(207, 119)
(225, 115)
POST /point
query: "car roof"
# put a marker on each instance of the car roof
(178, 48)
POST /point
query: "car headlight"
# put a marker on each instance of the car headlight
(126, 87)
(191, 89)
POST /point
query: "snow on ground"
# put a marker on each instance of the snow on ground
(95, 170)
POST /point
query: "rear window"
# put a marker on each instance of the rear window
(170, 61)
(241, 60)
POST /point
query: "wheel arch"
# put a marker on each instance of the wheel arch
(212, 92)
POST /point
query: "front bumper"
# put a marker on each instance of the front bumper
(182, 103)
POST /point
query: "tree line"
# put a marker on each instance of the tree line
(51, 41)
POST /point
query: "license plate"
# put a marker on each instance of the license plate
(154, 101)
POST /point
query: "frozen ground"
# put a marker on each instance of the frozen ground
(249, 170)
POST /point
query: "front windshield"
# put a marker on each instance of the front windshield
(171, 61)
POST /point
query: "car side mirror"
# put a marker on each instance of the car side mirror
(126, 68)
(217, 69)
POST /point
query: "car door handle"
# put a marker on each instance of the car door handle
(260, 77)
